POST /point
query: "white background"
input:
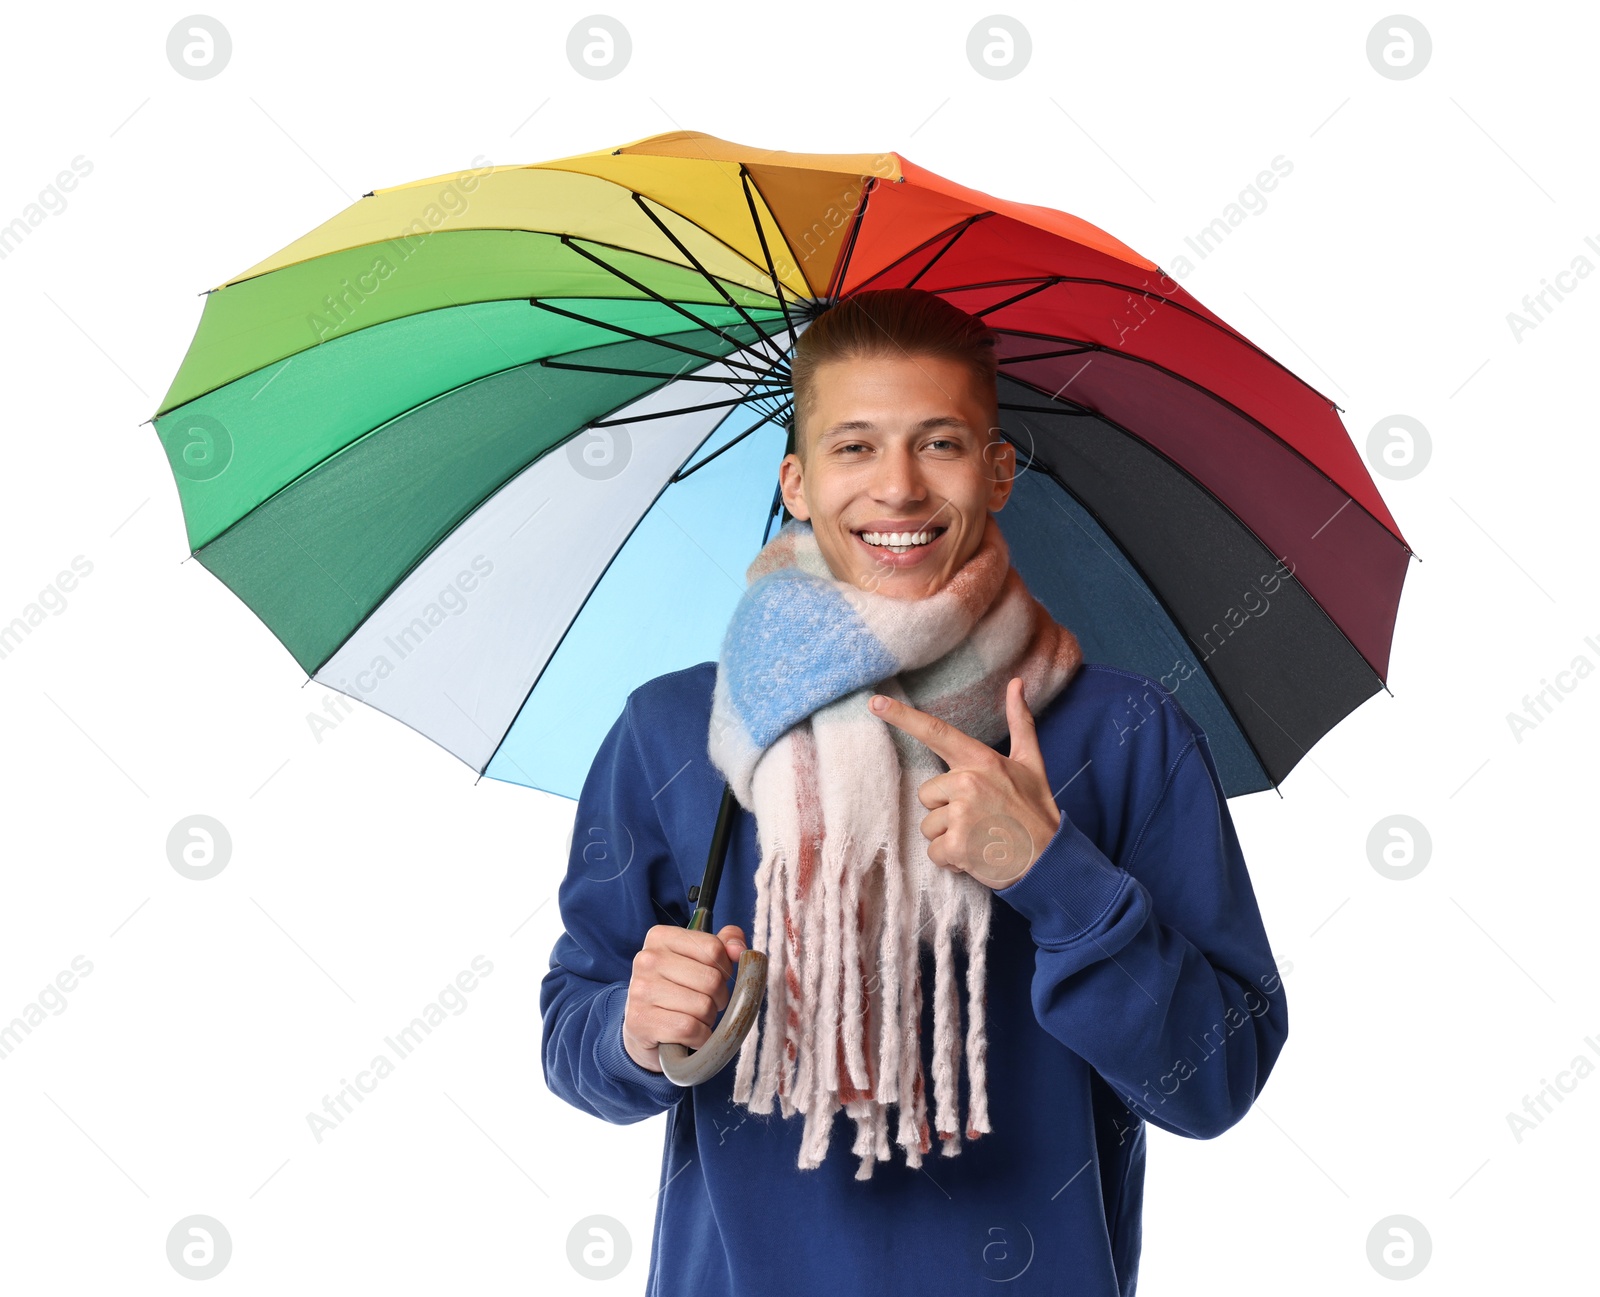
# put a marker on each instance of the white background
(369, 869)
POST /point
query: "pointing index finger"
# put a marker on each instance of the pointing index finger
(956, 747)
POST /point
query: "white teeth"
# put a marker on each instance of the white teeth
(898, 539)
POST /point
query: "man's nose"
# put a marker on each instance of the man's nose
(899, 477)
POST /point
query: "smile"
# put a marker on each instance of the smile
(901, 542)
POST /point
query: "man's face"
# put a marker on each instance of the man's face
(897, 444)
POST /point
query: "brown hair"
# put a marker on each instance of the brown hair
(890, 321)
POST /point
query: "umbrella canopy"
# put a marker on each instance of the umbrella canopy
(489, 450)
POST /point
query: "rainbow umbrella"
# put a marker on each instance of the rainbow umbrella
(489, 450)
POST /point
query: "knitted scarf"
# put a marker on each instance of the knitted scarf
(844, 875)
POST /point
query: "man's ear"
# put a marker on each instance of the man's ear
(790, 478)
(1001, 455)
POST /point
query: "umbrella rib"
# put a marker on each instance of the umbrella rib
(772, 512)
(645, 337)
(711, 279)
(695, 468)
(1047, 355)
(954, 238)
(1039, 285)
(843, 268)
(745, 398)
(1073, 408)
(666, 414)
(951, 232)
(645, 288)
(761, 234)
(650, 373)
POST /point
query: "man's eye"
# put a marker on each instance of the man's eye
(938, 441)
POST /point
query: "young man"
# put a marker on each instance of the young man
(1124, 977)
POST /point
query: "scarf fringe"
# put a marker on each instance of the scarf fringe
(839, 1056)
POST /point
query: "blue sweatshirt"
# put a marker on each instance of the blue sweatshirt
(1129, 981)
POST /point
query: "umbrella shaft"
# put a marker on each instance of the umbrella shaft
(704, 895)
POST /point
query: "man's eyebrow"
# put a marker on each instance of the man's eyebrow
(866, 425)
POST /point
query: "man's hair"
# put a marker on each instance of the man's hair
(891, 321)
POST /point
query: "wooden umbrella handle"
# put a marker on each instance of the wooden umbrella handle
(690, 1067)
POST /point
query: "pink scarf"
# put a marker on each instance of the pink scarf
(845, 891)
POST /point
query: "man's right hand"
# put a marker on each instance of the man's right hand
(678, 989)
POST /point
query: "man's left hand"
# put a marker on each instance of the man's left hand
(991, 816)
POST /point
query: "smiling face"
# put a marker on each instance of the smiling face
(897, 444)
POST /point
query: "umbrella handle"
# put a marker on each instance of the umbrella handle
(690, 1067)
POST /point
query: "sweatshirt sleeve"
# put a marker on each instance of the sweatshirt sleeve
(620, 881)
(1157, 970)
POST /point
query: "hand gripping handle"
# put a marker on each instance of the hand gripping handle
(690, 1067)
